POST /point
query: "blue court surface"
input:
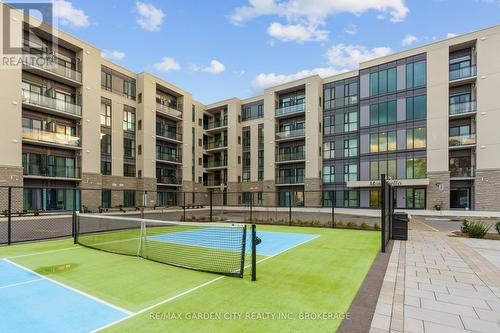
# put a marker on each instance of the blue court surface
(32, 303)
(272, 242)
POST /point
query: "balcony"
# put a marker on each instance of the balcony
(169, 158)
(463, 108)
(462, 73)
(211, 164)
(460, 141)
(290, 180)
(50, 104)
(214, 183)
(33, 134)
(31, 170)
(462, 172)
(293, 134)
(222, 144)
(290, 157)
(169, 134)
(173, 111)
(55, 67)
(216, 124)
(291, 109)
(169, 180)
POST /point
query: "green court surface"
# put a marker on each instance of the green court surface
(317, 279)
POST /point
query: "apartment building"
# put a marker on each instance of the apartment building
(426, 117)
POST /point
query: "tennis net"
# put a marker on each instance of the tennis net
(210, 247)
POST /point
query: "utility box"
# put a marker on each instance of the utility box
(400, 226)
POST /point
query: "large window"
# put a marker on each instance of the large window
(260, 136)
(106, 199)
(128, 170)
(351, 199)
(129, 89)
(328, 199)
(128, 198)
(129, 147)
(385, 167)
(351, 93)
(415, 198)
(106, 81)
(246, 159)
(416, 138)
(245, 176)
(383, 113)
(351, 148)
(105, 144)
(416, 107)
(329, 150)
(252, 111)
(246, 137)
(350, 172)
(383, 82)
(382, 142)
(416, 168)
(350, 121)
(328, 174)
(415, 74)
(328, 98)
(106, 114)
(328, 125)
(105, 167)
(128, 121)
(374, 198)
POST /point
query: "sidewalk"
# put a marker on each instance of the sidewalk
(436, 283)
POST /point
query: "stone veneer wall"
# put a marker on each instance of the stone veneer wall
(11, 176)
(270, 197)
(91, 185)
(487, 189)
(436, 196)
(312, 192)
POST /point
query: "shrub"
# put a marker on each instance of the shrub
(339, 224)
(477, 230)
(352, 225)
(465, 226)
(497, 226)
(376, 226)
(364, 226)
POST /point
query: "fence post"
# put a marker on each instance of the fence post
(73, 231)
(290, 212)
(254, 253)
(382, 213)
(211, 207)
(9, 216)
(251, 206)
(333, 209)
(184, 205)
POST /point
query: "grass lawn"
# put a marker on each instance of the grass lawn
(320, 276)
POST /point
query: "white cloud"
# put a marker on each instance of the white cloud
(69, 15)
(167, 64)
(150, 18)
(351, 29)
(349, 56)
(409, 40)
(296, 32)
(318, 10)
(450, 35)
(216, 67)
(113, 55)
(263, 80)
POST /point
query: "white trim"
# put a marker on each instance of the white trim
(20, 283)
(70, 288)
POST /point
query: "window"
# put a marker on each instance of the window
(383, 167)
(106, 199)
(128, 121)
(328, 98)
(129, 89)
(128, 170)
(382, 142)
(350, 172)
(328, 174)
(374, 198)
(260, 198)
(246, 137)
(252, 111)
(106, 81)
(105, 167)
(415, 198)
(416, 107)
(105, 144)
(193, 113)
(260, 175)
(416, 74)
(416, 168)
(245, 176)
(329, 150)
(416, 138)
(328, 125)
(246, 159)
(383, 113)
(351, 199)
(105, 114)
(328, 199)
(350, 121)
(128, 198)
(351, 93)
(351, 148)
(383, 82)
(129, 148)
(260, 136)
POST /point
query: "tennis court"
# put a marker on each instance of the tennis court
(57, 286)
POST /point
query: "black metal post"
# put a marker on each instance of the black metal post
(73, 225)
(184, 204)
(9, 216)
(251, 206)
(211, 205)
(333, 208)
(254, 252)
(382, 213)
(290, 212)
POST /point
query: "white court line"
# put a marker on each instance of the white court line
(44, 252)
(192, 289)
(70, 288)
(20, 283)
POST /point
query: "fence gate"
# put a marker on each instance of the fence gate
(387, 209)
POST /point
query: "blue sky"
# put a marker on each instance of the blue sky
(217, 49)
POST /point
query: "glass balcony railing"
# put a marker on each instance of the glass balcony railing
(462, 172)
(462, 73)
(282, 180)
(301, 107)
(170, 134)
(214, 182)
(53, 64)
(215, 124)
(290, 134)
(50, 171)
(52, 103)
(172, 110)
(215, 144)
(290, 156)
(50, 137)
(168, 157)
(215, 163)
(462, 107)
(463, 140)
(169, 180)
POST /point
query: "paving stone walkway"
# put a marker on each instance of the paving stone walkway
(436, 283)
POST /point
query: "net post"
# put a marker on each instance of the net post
(254, 252)
(382, 207)
(9, 216)
(333, 208)
(76, 226)
(211, 206)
